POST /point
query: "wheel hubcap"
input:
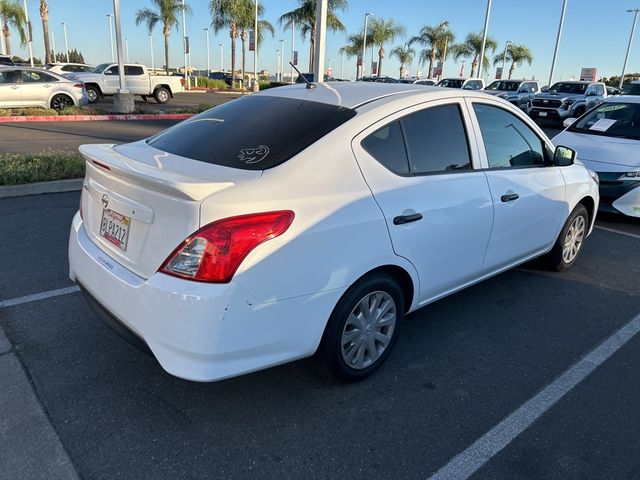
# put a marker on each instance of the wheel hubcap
(573, 239)
(92, 95)
(163, 96)
(368, 330)
(60, 103)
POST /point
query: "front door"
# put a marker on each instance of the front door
(10, 93)
(527, 190)
(419, 165)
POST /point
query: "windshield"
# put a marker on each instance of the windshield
(253, 132)
(611, 120)
(451, 83)
(100, 68)
(631, 89)
(504, 86)
(575, 88)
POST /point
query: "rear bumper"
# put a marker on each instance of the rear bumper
(197, 331)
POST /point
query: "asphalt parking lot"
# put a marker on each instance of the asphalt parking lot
(461, 366)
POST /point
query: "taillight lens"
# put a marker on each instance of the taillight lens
(214, 253)
(79, 85)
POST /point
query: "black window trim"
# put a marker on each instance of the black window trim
(438, 103)
(548, 162)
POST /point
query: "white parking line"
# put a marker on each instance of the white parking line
(470, 460)
(38, 296)
(620, 232)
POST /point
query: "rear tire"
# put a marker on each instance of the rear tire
(362, 329)
(60, 102)
(569, 244)
(162, 95)
(93, 93)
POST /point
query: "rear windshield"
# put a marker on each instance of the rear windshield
(252, 133)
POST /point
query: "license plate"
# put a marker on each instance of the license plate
(114, 227)
(543, 114)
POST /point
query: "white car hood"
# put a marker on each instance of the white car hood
(600, 153)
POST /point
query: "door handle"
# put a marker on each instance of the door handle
(509, 197)
(15, 87)
(402, 219)
(47, 85)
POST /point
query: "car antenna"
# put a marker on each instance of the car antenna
(309, 84)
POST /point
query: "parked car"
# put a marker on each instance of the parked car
(310, 78)
(631, 88)
(297, 221)
(65, 68)
(567, 99)
(34, 87)
(224, 76)
(417, 81)
(104, 81)
(608, 140)
(379, 79)
(518, 92)
(611, 91)
(463, 83)
(6, 60)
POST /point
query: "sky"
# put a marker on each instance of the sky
(595, 34)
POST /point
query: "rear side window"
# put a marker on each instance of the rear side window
(252, 133)
(129, 70)
(387, 147)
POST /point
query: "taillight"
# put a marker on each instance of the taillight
(79, 85)
(214, 253)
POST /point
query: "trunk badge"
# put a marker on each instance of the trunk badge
(105, 200)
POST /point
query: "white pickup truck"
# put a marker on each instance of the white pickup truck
(104, 80)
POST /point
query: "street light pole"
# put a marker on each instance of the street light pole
(364, 45)
(555, 52)
(123, 99)
(293, 40)
(504, 57)
(66, 43)
(113, 56)
(277, 65)
(208, 60)
(26, 15)
(626, 57)
(126, 43)
(342, 67)
(153, 66)
(221, 58)
(187, 78)
(484, 38)
(53, 45)
(281, 60)
(321, 37)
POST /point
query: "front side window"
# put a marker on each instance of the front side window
(620, 120)
(112, 70)
(451, 83)
(508, 141)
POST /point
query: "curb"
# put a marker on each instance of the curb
(97, 118)
(55, 186)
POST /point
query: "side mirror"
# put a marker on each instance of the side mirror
(544, 89)
(568, 122)
(564, 156)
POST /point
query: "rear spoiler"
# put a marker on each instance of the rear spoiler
(104, 158)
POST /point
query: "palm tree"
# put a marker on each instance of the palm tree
(471, 47)
(353, 48)
(517, 55)
(166, 12)
(405, 56)
(433, 39)
(230, 14)
(245, 23)
(44, 14)
(384, 31)
(305, 18)
(11, 14)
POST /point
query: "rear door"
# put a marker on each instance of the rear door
(527, 191)
(10, 92)
(37, 88)
(419, 166)
(137, 80)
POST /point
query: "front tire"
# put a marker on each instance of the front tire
(362, 329)
(569, 244)
(162, 95)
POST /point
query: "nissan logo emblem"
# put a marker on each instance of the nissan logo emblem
(105, 200)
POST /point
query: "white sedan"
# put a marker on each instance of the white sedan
(35, 87)
(608, 141)
(302, 221)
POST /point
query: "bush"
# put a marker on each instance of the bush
(213, 84)
(31, 111)
(16, 169)
(83, 110)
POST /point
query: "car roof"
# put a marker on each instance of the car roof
(576, 81)
(354, 95)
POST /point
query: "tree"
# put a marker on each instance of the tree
(433, 39)
(245, 23)
(404, 55)
(228, 14)
(516, 54)
(471, 48)
(353, 48)
(383, 31)
(305, 18)
(11, 14)
(166, 12)
(44, 14)
(74, 57)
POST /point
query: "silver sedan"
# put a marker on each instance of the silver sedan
(34, 87)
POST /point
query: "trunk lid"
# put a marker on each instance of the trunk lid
(140, 203)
